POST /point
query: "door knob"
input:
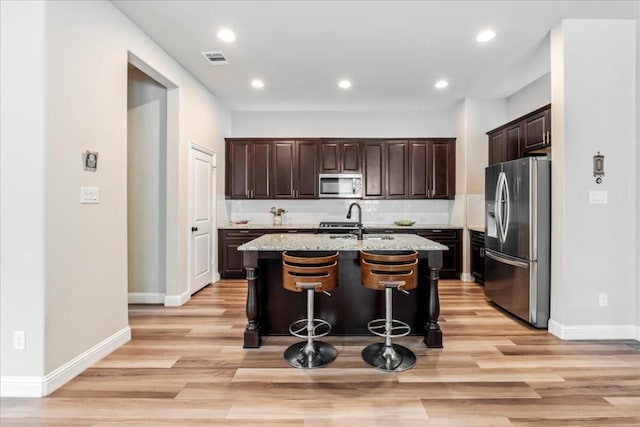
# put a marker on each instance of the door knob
(194, 229)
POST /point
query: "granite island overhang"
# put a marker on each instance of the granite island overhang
(270, 308)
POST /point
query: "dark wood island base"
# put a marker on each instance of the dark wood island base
(270, 308)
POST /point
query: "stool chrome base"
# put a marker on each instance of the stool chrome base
(395, 358)
(300, 355)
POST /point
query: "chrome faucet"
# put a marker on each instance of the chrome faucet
(359, 224)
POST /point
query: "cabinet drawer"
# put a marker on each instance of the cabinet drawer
(477, 237)
(249, 234)
(439, 234)
(386, 231)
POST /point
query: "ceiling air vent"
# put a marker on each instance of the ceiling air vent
(216, 58)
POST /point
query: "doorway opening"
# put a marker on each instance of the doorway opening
(152, 189)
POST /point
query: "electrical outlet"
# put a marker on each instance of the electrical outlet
(602, 300)
(19, 340)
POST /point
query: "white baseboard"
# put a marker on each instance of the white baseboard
(177, 300)
(145, 298)
(19, 386)
(466, 277)
(594, 332)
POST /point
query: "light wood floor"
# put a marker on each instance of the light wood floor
(185, 366)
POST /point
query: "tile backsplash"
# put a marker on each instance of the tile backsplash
(314, 211)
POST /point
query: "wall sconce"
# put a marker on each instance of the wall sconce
(598, 167)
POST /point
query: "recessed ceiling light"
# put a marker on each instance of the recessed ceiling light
(441, 84)
(344, 84)
(257, 83)
(485, 36)
(226, 35)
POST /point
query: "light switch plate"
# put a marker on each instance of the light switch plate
(89, 195)
(597, 197)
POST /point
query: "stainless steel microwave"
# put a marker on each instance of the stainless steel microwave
(340, 185)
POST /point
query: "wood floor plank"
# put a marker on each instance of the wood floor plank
(185, 366)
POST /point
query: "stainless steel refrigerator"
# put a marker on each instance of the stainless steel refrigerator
(518, 237)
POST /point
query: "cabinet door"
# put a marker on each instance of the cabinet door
(350, 157)
(229, 257)
(452, 258)
(237, 170)
(418, 169)
(305, 165)
(260, 164)
(396, 169)
(497, 144)
(340, 156)
(373, 165)
(537, 131)
(329, 157)
(442, 173)
(477, 256)
(283, 169)
(513, 142)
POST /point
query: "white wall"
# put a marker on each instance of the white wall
(531, 97)
(638, 172)
(371, 124)
(85, 47)
(473, 118)
(146, 184)
(22, 177)
(593, 248)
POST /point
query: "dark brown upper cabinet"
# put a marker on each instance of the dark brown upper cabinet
(418, 173)
(537, 130)
(373, 165)
(248, 169)
(419, 168)
(340, 156)
(521, 137)
(442, 169)
(396, 169)
(295, 169)
(505, 143)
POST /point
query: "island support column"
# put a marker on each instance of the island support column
(252, 331)
(433, 334)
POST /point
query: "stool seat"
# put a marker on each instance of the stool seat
(387, 271)
(310, 272)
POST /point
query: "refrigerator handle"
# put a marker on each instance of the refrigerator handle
(498, 207)
(496, 257)
(507, 200)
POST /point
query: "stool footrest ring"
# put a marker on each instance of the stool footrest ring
(300, 328)
(398, 328)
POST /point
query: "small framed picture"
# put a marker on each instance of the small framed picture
(91, 161)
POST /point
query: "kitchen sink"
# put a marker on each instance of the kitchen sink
(378, 237)
(365, 237)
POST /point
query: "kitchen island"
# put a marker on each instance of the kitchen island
(270, 308)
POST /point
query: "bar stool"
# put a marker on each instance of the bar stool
(386, 271)
(312, 273)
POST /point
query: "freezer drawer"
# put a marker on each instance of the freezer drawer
(515, 285)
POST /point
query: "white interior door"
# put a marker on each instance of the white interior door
(202, 177)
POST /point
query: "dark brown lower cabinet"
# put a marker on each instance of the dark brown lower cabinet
(450, 237)
(230, 258)
(477, 256)
(451, 259)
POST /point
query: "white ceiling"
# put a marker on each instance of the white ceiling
(392, 51)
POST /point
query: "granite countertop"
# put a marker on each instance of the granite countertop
(478, 228)
(316, 226)
(340, 242)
